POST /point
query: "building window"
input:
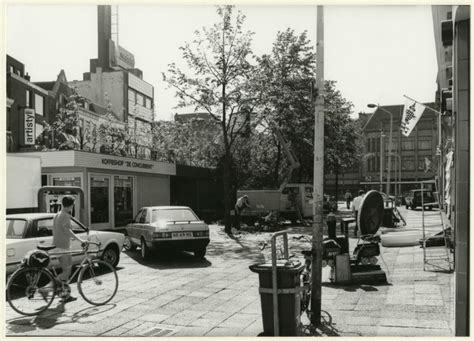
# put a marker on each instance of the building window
(394, 163)
(408, 163)
(39, 130)
(424, 143)
(132, 96)
(394, 146)
(12, 69)
(422, 162)
(28, 98)
(408, 144)
(147, 103)
(140, 100)
(18, 72)
(39, 105)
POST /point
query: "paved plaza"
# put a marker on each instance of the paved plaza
(177, 295)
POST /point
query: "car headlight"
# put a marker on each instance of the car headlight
(201, 233)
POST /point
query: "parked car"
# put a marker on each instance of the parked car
(413, 199)
(167, 228)
(24, 232)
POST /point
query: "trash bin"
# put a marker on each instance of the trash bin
(289, 297)
(387, 219)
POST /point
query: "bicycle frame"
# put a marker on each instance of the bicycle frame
(87, 260)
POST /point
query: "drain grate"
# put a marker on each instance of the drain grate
(157, 332)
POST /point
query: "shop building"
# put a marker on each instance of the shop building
(26, 107)
(452, 38)
(114, 187)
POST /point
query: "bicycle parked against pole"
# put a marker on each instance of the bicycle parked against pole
(31, 289)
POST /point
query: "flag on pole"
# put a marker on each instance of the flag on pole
(411, 114)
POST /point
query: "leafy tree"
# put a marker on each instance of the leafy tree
(194, 143)
(284, 80)
(342, 147)
(218, 83)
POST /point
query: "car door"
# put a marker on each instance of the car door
(19, 241)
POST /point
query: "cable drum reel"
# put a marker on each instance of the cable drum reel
(369, 220)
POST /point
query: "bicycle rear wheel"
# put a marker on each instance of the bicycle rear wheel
(30, 291)
(97, 282)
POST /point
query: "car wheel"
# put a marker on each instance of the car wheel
(200, 253)
(128, 245)
(145, 251)
(111, 255)
(413, 207)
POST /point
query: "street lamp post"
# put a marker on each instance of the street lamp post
(389, 144)
(382, 135)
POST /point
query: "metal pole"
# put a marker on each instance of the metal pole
(440, 167)
(389, 166)
(381, 161)
(318, 174)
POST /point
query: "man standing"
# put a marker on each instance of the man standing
(62, 235)
(348, 197)
(355, 208)
(241, 204)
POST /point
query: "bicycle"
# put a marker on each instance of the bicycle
(31, 288)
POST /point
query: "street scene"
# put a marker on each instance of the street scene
(265, 170)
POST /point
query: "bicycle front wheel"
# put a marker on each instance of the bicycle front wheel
(97, 282)
(30, 291)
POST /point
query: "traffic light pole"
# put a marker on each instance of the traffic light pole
(318, 174)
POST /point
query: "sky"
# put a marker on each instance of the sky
(376, 54)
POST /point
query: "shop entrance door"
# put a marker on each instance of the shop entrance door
(100, 201)
(123, 200)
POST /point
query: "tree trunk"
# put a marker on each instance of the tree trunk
(277, 166)
(227, 191)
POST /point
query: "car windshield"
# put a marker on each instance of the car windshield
(15, 228)
(173, 215)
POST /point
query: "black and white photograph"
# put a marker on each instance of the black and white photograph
(229, 169)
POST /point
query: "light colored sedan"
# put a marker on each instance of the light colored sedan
(167, 228)
(24, 232)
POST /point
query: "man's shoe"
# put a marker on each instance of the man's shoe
(69, 299)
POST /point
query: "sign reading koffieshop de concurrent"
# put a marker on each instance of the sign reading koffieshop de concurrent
(128, 164)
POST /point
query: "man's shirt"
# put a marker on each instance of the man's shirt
(356, 202)
(61, 228)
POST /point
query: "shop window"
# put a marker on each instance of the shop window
(422, 163)
(66, 181)
(424, 143)
(39, 105)
(123, 200)
(408, 163)
(408, 144)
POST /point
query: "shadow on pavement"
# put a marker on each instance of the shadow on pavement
(50, 318)
(170, 260)
(326, 328)
(354, 287)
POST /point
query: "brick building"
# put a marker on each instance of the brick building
(114, 81)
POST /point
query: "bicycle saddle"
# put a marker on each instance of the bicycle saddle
(45, 248)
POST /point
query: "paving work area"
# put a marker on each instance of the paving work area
(177, 295)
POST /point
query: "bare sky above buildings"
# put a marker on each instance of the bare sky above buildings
(375, 53)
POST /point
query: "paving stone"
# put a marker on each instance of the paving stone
(217, 331)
